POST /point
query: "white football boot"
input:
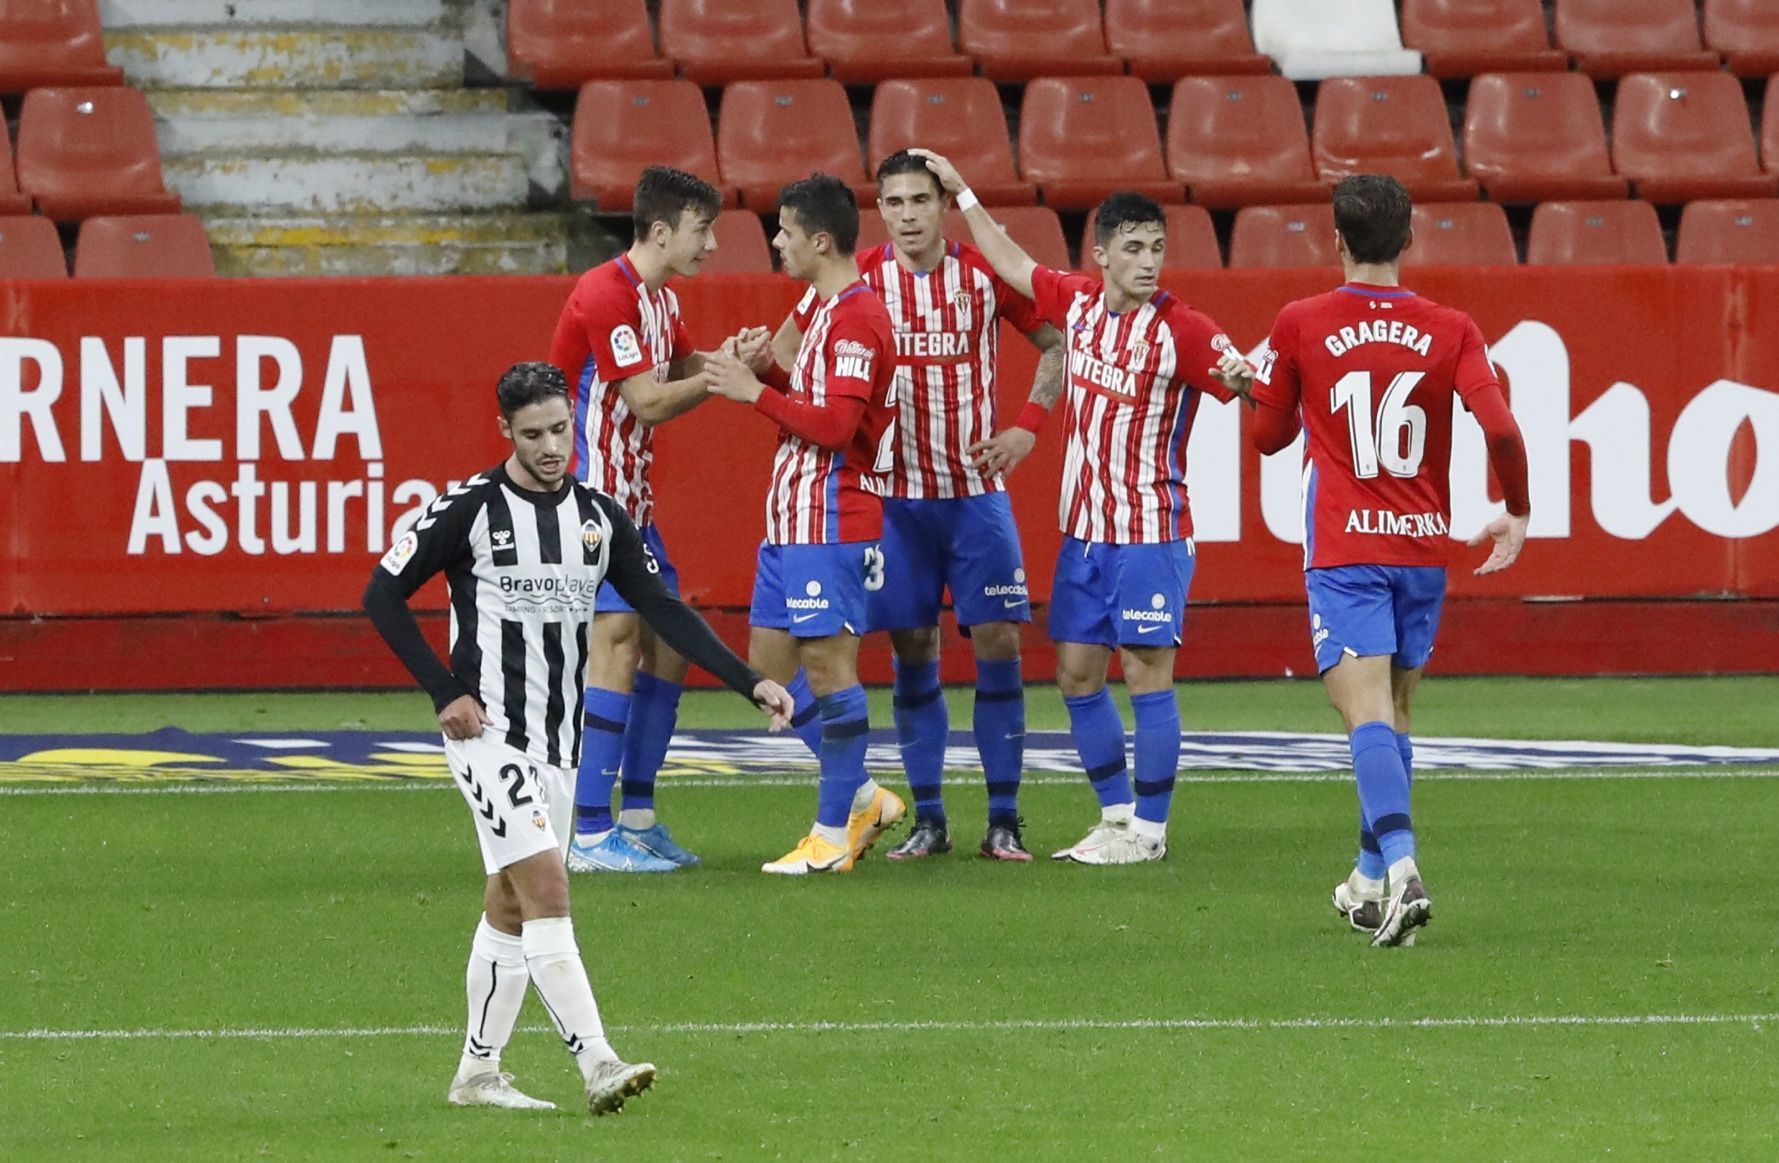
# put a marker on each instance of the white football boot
(614, 1081)
(1106, 829)
(492, 1088)
(1122, 847)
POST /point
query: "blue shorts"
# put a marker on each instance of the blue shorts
(815, 591)
(1366, 610)
(1121, 595)
(609, 601)
(968, 545)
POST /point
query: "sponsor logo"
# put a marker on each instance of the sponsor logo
(814, 600)
(1096, 374)
(1015, 590)
(932, 344)
(799, 619)
(549, 595)
(1263, 370)
(1383, 523)
(1157, 601)
(1378, 331)
(1136, 615)
(400, 554)
(626, 351)
(1319, 633)
(503, 539)
(852, 367)
(591, 536)
(1150, 629)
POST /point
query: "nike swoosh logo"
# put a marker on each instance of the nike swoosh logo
(1012, 603)
(1149, 628)
(803, 617)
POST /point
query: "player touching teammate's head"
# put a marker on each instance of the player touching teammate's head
(903, 162)
(1372, 213)
(536, 417)
(673, 212)
(913, 204)
(1130, 243)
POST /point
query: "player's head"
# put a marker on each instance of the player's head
(1130, 242)
(911, 201)
(536, 417)
(673, 212)
(818, 223)
(1371, 216)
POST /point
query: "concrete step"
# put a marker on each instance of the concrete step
(325, 102)
(279, 57)
(350, 183)
(390, 245)
(116, 14)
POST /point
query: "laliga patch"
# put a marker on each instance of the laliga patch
(591, 536)
(400, 554)
(625, 349)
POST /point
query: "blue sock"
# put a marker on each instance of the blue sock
(1405, 747)
(1157, 752)
(654, 709)
(844, 724)
(602, 752)
(1383, 789)
(1371, 857)
(1099, 741)
(806, 717)
(923, 725)
(1000, 735)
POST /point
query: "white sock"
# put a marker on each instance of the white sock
(1119, 813)
(495, 982)
(1155, 830)
(561, 981)
(1402, 871)
(867, 792)
(588, 839)
(835, 835)
(637, 818)
(1364, 888)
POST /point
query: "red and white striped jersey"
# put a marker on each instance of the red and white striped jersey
(822, 495)
(1134, 384)
(613, 327)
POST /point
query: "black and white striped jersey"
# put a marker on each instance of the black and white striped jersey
(523, 568)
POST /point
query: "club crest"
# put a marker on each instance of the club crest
(591, 536)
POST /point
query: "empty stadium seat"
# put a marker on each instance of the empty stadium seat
(1036, 229)
(1591, 233)
(1312, 39)
(1461, 234)
(1769, 129)
(560, 44)
(143, 246)
(1610, 38)
(865, 41)
(1080, 138)
(1534, 137)
(1241, 141)
(1015, 40)
(1284, 236)
(52, 42)
(1191, 241)
(772, 133)
(1167, 39)
(1461, 38)
(960, 118)
(1681, 136)
(1393, 125)
(1744, 231)
(11, 201)
(622, 127)
(719, 41)
(91, 151)
(30, 249)
(1746, 32)
(742, 248)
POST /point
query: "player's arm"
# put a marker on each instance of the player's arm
(1275, 390)
(1002, 452)
(785, 342)
(1003, 254)
(1481, 393)
(655, 402)
(828, 425)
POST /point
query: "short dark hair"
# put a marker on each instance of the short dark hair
(525, 384)
(824, 205)
(1372, 212)
(664, 193)
(1125, 208)
(903, 162)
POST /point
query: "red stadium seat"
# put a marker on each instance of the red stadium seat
(1461, 38)
(1590, 233)
(561, 44)
(91, 151)
(1729, 232)
(622, 127)
(1191, 241)
(960, 118)
(1610, 38)
(11, 201)
(1535, 137)
(719, 41)
(1284, 236)
(1080, 138)
(1769, 129)
(1241, 141)
(1036, 229)
(1394, 125)
(1681, 136)
(1167, 39)
(742, 248)
(1016, 40)
(144, 246)
(1461, 234)
(772, 133)
(1746, 32)
(30, 249)
(52, 42)
(865, 41)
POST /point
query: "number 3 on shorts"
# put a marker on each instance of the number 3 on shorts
(873, 568)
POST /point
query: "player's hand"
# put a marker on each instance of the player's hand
(1001, 453)
(725, 375)
(776, 702)
(1509, 535)
(463, 718)
(943, 170)
(1236, 374)
(753, 346)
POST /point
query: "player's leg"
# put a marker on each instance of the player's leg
(774, 654)
(495, 982)
(1082, 606)
(612, 654)
(907, 605)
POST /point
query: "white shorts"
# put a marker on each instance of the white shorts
(520, 807)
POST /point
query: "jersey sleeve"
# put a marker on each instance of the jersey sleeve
(855, 350)
(1474, 370)
(1277, 381)
(438, 540)
(1053, 293)
(1015, 308)
(805, 309)
(680, 342)
(1200, 344)
(613, 326)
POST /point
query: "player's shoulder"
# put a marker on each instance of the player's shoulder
(461, 501)
(605, 284)
(872, 261)
(861, 302)
(965, 255)
(1182, 317)
(1445, 316)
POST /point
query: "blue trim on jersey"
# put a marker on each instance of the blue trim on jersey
(850, 292)
(1400, 293)
(583, 400)
(1309, 515)
(831, 501)
(1177, 460)
(628, 271)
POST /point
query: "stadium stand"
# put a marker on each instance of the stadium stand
(1729, 231)
(562, 44)
(146, 246)
(621, 127)
(1016, 40)
(716, 42)
(1461, 38)
(86, 151)
(865, 41)
(742, 248)
(1395, 125)
(1593, 233)
(1535, 136)
(30, 248)
(1240, 141)
(1769, 129)
(1191, 241)
(771, 133)
(1461, 234)
(1610, 38)
(959, 117)
(1312, 39)
(1283, 236)
(52, 42)
(11, 201)
(1746, 32)
(1164, 40)
(1036, 229)
(1680, 136)
(1080, 138)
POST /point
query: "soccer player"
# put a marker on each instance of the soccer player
(947, 522)
(1368, 371)
(523, 548)
(1138, 361)
(824, 508)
